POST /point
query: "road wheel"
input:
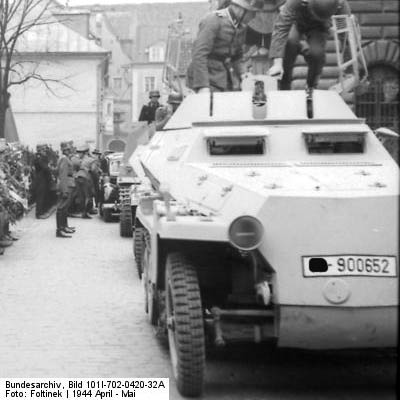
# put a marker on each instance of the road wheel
(150, 294)
(107, 216)
(125, 221)
(185, 325)
(138, 247)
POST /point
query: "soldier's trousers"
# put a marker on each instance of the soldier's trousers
(314, 54)
(83, 193)
(62, 210)
(42, 194)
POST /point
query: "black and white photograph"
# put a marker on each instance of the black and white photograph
(199, 199)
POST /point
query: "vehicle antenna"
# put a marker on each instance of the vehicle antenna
(309, 102)
(211, 102)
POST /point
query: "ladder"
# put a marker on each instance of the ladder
(177, 57)
(349, 53)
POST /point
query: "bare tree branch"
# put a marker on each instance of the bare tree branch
(17, 17)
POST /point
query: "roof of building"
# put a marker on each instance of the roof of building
(145, 24)
(55, 37)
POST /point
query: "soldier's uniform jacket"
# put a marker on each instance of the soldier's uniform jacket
(42, 168)
(219, 43)
(76, 164)
(84, 167)
(148, 112)
(295, 12)
(65, 175)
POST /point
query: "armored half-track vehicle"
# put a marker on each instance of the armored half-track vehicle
(274, 221)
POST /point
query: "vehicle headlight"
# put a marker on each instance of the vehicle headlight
(246, 232)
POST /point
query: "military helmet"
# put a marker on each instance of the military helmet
(249, 5)
(82, 148)
(154, 93)
(175, 98)
(322, 9)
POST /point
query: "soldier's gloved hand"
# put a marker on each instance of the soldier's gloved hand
(204, 90)
(277, 69)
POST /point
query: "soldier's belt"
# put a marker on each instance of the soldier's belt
(218, 57)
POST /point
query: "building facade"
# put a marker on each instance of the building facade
(66, 102)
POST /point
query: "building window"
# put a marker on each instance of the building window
(117, 83)
(156, 54)
(108, 109)
(149, 83)
(380, 104)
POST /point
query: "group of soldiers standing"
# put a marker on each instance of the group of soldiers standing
(78, 174)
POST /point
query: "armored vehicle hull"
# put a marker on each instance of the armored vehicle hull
(279, 226)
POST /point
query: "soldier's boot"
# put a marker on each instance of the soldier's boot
(59, 231)
(66, 227)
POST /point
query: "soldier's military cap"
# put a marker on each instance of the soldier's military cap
(154, 93)
(41, 146)
(249, 5)
(65, 146)
(82, 148)
(175, 98)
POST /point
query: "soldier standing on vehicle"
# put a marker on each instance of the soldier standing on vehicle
(298, 20)
(148, 111)
(164, 113)
(65, 186)
(218, 49)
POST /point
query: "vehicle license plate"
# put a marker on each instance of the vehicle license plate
(350, 265)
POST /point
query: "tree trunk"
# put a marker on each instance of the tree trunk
(3, 110)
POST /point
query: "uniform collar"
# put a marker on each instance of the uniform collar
(233, 18)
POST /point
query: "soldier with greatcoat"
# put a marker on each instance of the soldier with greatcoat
(65, 187)
(218, 49)
(148, 111)
(83, 181)
(302, 27)
(42, 181)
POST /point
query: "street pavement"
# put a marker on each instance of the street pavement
(73, 308)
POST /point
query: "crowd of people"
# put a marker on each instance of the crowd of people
(78, 173)
(65, 180)
(16, 174)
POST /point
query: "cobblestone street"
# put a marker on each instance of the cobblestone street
(74, 308)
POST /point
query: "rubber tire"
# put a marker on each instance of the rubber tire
(107, 215)
(125, 221)
(138, 248)
(186, 339)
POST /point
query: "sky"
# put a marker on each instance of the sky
(89, 2)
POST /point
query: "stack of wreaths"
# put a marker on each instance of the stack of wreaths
(15, 180)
